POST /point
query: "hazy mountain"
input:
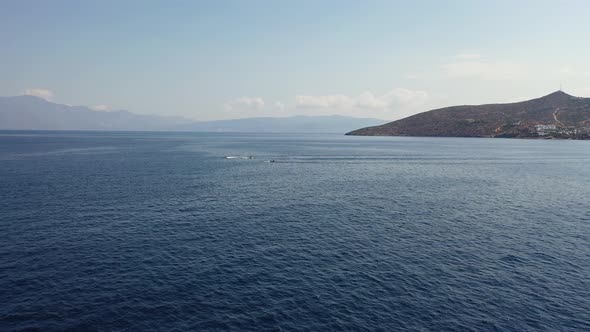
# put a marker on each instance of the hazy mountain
(294, 124)
(555, 115)
(33, 113)
(29, 112)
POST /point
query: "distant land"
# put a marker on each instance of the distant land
(34, 113)
(557, 115)
(294, 124)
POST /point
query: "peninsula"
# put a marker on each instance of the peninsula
(557, 115)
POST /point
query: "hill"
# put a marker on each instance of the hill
(293, 124)
(33, 113)
(557, 115)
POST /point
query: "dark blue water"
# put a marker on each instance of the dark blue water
(159, 232)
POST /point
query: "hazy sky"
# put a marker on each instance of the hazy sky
(229, 59)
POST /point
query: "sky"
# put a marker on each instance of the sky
(218, 59)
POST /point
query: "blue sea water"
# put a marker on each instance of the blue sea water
(160, 232)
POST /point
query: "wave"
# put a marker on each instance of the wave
(239, 157)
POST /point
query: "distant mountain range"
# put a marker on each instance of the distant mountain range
(33, 113)
(293, 124)
(557, 115)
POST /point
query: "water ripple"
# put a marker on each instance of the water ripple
(346, 234)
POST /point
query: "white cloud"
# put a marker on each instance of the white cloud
(41, 93)
(101, 108)
(280, 105)
(472, 65)
(412, 98)
(245, 103)
(329, 101)
(399, 97)
(368, 100)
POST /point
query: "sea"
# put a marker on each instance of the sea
(156, 231)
